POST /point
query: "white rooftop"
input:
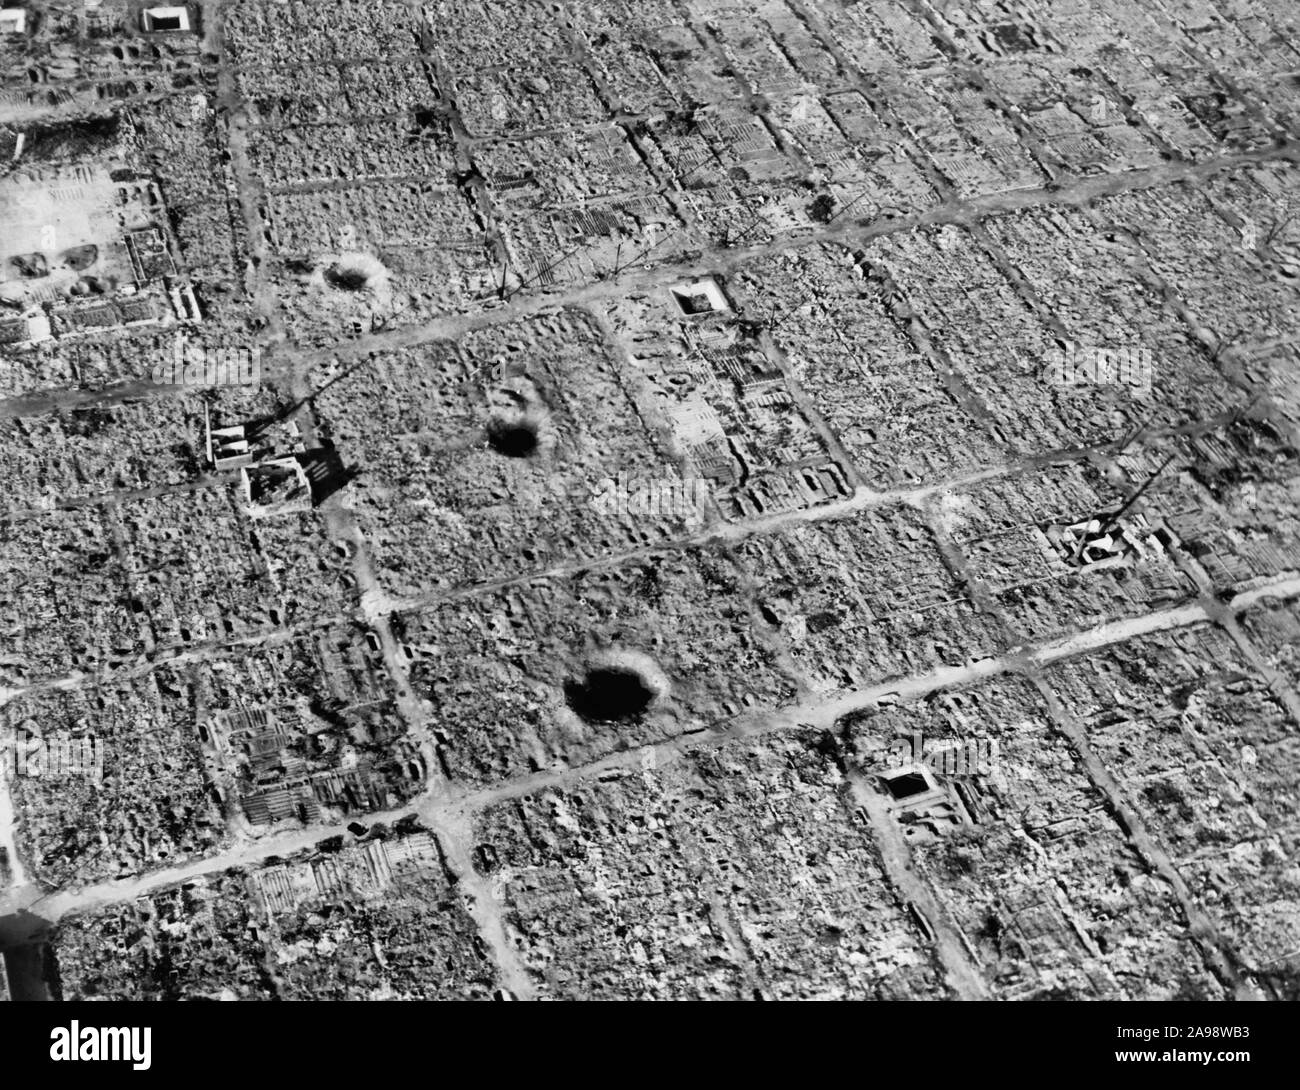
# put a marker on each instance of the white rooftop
(13, 21)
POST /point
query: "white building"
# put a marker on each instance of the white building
(13, 21)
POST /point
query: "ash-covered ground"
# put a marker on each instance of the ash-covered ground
(650, 499)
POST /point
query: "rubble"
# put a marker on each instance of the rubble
(672, 499)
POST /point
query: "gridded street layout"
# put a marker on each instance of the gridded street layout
(650, 499)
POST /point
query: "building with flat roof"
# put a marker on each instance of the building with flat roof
(13, 21)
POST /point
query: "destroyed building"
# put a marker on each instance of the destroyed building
(650, 499)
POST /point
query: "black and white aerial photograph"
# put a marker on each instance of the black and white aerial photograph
(650, 500)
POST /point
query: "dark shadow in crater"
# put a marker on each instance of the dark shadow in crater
(512, 440)
(609, 694)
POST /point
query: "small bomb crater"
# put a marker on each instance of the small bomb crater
(609, 694)
(517, 424)
(353, 286)
(346, 279)
(617, 689)
(513, 439)
(356, 273)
